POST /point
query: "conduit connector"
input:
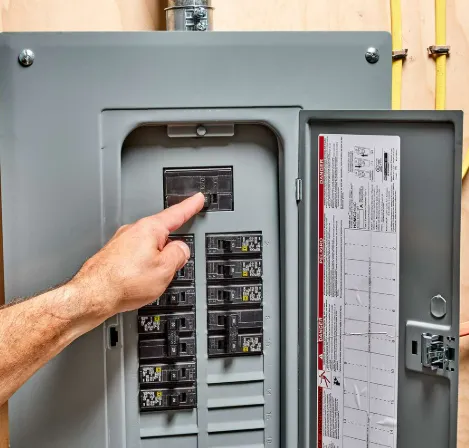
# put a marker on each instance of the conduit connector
(437, 50)
(189, 15)
(399, 54)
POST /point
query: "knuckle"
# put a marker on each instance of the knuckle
(170, 261)
(155, 227)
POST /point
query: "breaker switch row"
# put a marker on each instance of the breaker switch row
(167, 343)
(234, 270)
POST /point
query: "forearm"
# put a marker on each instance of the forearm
(131, 270)
(35, 330)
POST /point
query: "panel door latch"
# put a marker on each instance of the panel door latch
(436, 352)
(431, 349)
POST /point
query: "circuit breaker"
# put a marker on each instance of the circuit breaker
(320, 303)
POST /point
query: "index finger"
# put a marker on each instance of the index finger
(177, 215)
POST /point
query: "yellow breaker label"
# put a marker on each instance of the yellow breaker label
(358, 290)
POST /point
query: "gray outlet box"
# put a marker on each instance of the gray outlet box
(103, 129)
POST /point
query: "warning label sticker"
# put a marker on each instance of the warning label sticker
(358, 290)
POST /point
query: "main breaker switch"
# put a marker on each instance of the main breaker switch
(216, 184)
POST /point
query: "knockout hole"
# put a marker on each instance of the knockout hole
(451, 354)
(113, 336)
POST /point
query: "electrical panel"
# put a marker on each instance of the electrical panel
(228, 355)
(167, 341)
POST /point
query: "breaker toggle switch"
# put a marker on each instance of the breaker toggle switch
(209, 200)
(225, 271)
(225, 295)
(172, 337)
(224, 245)
(232, 324)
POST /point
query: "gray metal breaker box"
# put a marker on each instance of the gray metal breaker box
(105, 128)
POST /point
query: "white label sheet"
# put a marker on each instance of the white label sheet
(358, 290)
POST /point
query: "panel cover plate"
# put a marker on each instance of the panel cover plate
(52, 147)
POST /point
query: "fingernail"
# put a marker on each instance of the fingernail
(185, 248)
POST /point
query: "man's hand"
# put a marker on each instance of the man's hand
(131, 270)
(138, 263)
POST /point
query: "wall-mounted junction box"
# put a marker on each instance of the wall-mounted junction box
(103, 129)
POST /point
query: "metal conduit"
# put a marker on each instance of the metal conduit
(189, 15)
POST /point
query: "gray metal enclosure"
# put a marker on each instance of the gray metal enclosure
(87, 133)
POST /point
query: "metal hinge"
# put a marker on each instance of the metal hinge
(299, 189)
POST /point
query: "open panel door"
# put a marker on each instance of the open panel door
(380, 223)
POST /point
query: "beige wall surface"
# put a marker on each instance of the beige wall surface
(331, 15)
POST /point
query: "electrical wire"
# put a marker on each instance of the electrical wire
(440, 62)
(440, 81)
(440, 94)
(396, 33)
(440, 59)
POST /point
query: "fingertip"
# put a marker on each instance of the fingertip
(184, 247)
(201, 198)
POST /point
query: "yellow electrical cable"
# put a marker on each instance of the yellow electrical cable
(396, 33)
(440, 60)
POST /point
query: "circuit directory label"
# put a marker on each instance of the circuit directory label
(358, 290)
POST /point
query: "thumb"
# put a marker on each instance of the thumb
(175, 255)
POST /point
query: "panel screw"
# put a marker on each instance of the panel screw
(201, 26)
(26, 57)
(438, 306)
(199, 13)
(372, 55)
(201, 131)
